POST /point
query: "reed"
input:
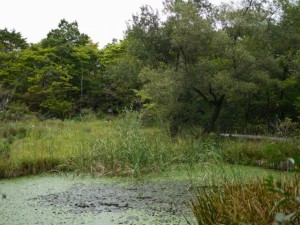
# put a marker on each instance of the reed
(122, 146)
(256, 202)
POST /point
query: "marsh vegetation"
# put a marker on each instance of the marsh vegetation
(158, 101)
(121, 147)
(206, 170)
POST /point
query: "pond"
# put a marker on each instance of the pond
(67, 199)
(155, 199)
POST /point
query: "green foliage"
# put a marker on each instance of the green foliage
(260, 153)
(11, 41)
(11, 76)
(286, 128)
(239, 152)
(11, 131)
(119, 146)
(289, 204)
(120, 79)
(4, 148)
(112, 53)
(58, 108)
(233, 68)
(66, 34)
(8, 134)
(160, 91)
(14, 111)
(214, 66)
(148, 40)
(50, 88)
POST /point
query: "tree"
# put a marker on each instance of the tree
(49, 88)
(87, 60)
(147, 39)
(11, 79)
(11, 41)
(284, 36)
(77, 61)
(5, 97)
(213, 65)
(120, 78)
(67, 34)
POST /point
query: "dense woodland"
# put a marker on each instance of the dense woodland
(228, 68)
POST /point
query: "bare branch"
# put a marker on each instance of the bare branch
(248, 7)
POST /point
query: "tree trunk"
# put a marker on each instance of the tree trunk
(214, 117)
(81, 93)
(5, 97)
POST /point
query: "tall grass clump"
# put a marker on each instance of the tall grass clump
(266, 153)
(38, 147)
(134, 149)
(256, 202)
(131, 149)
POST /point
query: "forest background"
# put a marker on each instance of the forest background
(228, 68)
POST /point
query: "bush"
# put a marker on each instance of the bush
(14, 112)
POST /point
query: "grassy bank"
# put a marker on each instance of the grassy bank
(122, 147)
(118, 147)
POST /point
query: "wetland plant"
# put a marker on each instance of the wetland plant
(258, 202)
(123, 147)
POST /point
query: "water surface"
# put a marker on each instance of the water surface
(64, 199)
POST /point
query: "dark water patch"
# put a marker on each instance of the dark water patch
(162, 198)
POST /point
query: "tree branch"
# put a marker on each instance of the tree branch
(202, 95)
(248, 7)
(212, 93)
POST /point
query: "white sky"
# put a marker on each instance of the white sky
(102, 20)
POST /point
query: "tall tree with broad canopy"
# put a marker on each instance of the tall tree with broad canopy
(234, 67)
(59, 71)
(120, 82)
(78, 59)
(11, 77)
(215, 61)
(284, 36)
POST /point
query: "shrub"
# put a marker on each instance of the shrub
(14, 112)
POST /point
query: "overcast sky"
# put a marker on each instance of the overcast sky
(102, 20)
